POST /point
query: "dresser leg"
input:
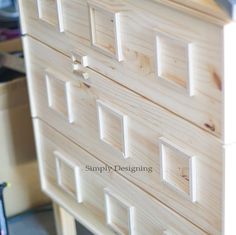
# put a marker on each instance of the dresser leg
(65, 223)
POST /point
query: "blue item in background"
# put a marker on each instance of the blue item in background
(5, 3)
(229, 6)
(3, 218)
(9, 14)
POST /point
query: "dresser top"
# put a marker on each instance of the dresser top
(220, 11)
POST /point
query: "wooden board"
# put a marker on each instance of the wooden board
(11, 45)
(196, 48)
(139, 124)
(103, 192)
(65, 223)
(206, 8)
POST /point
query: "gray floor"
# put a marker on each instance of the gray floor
(38, 222)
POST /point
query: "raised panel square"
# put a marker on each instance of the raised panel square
(119, 214)
(112, 128)
(174, 59)
(50, 11)
(105, 30)
(58, 94)
(68, 176)
(178, 169)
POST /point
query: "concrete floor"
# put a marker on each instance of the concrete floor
(38, 222)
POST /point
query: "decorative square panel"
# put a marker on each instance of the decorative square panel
(178, 169)
(113, 128)
(106, 30)
(68, 176)
(174, 59)
(50, 11)
(58, 93)
(119, 214)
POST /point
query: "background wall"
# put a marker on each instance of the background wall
(17, 150)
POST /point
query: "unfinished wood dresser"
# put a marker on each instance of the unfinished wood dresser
(133, 110)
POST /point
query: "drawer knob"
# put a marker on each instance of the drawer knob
(78, 69)
(85, 76)
(79, 62)
(80, 59)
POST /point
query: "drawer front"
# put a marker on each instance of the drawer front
(175, 161)
(169, 57)
(101, 199)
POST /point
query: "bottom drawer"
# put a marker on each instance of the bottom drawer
(99, 198)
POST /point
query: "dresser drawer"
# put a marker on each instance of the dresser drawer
(101, 199)
(170, 57)
(175, 161)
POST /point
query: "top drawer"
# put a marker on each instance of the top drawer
(167, 56)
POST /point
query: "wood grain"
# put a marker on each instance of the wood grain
(65, 223)
(151, 217)
(147, 122)
(139, 23)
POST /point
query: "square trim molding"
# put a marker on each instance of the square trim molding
(61, 159)
(121, 119)
(109, 196)
(59, 10)
(115, 18)
(176, 68)
(63, 108)
(169, 175)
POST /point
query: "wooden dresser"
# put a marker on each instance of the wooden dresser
(133, 105)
